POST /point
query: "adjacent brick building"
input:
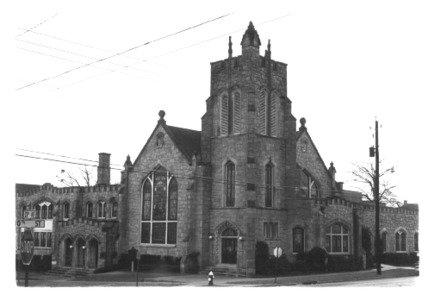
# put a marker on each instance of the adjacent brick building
(249, 175)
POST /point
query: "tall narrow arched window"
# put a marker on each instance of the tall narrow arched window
(159, 208)
(230, 184)
(337, 239)
(66, 210)
(50, 211)
(298, 240)
(23, 211)
(224, 113)
(230, 116)
(114, 209)
(89, 209)
(416, 241)
(269, 188)
(384, 241)
(400, 241)
(102, 209)
(43, 212)
(308, 186)
(38, 211)
(236, 99)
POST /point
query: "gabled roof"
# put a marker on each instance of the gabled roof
(298, 134)
(186, 140)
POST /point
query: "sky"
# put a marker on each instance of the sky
(349, 62)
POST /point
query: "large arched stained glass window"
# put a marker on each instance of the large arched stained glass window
(159, 208)
(230, 184)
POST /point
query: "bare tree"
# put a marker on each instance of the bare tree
(69, 180)
(365, 175)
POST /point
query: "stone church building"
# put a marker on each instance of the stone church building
(251, 174)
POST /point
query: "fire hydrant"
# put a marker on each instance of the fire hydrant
(210, 278)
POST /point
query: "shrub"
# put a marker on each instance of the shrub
(315, 259)
(400, 259)
(192, 263)
(338, 263)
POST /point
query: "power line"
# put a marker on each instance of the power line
(64, 161)
(68, 60)
(208, 179)
(120, 53)
(37, 25)
(59, 155)
(79, 44)
(192, 45)
(76, 54)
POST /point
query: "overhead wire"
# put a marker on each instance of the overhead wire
(120, 53)
(37, 25)
(60, 155)
(208, 179)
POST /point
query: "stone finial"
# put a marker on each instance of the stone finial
(332, 170)
(230, 47)
(250, 42)
(302, 124)
(269, 45)
(162, 113)
(127, 162)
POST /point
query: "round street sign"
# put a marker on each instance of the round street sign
(277, 252)
(27, 247)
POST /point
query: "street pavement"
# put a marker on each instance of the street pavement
(391, 276)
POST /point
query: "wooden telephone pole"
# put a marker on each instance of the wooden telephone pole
(377, 202)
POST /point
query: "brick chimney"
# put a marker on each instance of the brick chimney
(103, 169)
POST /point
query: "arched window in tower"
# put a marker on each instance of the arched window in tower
(224, 112)
(230, 184)
(236, 99)
(308, 186)
(159, 208)
(269, 187)
(401, 241)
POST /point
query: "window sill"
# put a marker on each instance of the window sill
(158, 245)
(338, 253)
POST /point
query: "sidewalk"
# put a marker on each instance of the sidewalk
(125, 278)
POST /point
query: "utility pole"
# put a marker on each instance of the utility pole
(377, 202)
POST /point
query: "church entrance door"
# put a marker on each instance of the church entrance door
(229, 250)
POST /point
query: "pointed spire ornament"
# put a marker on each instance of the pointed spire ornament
(230, 47)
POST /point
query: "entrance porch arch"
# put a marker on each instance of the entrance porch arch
(227, 235)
